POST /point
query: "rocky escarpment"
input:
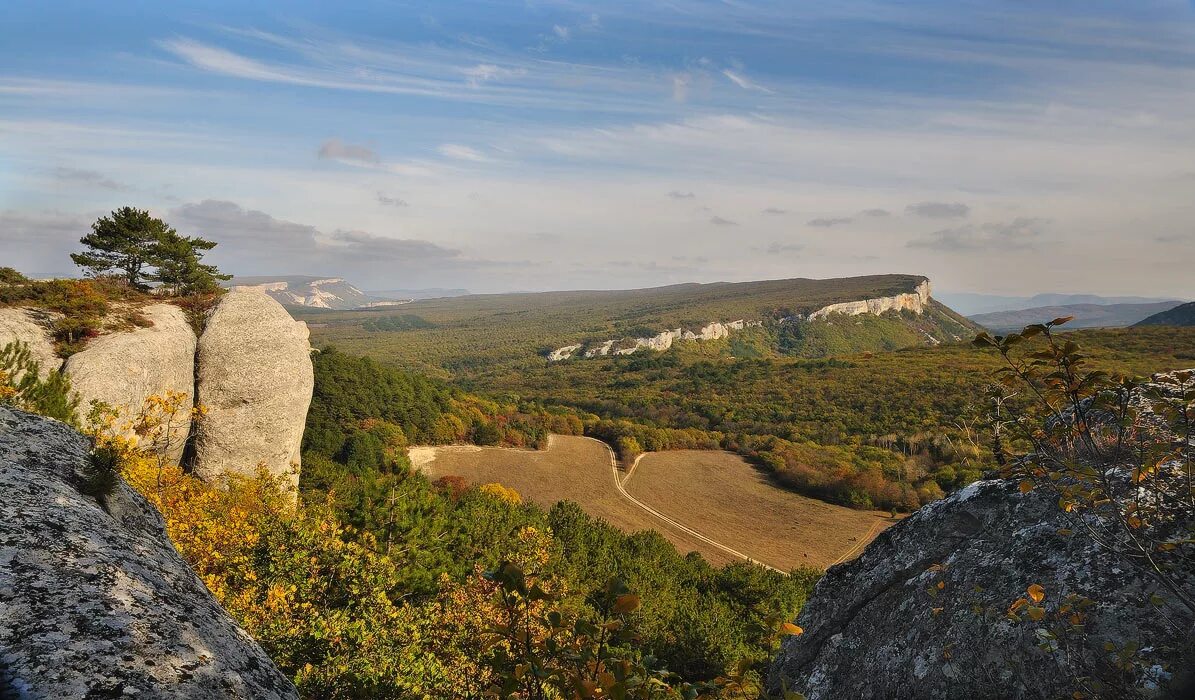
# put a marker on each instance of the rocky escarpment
(94, 600)
(255, 380)
(659, 342)
(29, 326)
(915, 301)
(923, 612)
(123, 369)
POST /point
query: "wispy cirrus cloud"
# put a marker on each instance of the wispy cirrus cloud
(456, 151)
(743, 82)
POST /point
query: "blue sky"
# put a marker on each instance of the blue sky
(994, 146)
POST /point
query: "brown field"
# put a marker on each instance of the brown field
(722, 496)
(715, 494)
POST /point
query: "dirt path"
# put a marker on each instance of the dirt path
(684, 528)
(716, 500)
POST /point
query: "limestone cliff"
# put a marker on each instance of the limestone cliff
(914, 301)
(922, 613)
(659, 342)
(94, 601)
(255, 379)
(29, 327)
(123, 369)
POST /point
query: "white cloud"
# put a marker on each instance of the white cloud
(458, 152)
(743, 82)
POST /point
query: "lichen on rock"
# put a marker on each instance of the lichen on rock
(95, 602)
(923, 612)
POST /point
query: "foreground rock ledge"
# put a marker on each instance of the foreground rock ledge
(95, 602)
(880, 626)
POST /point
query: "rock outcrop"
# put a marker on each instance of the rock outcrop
(658, 342)
(29, 327)
(922, 613)
(914, 301)
(94, 601)
(123, 369)
(255, 379)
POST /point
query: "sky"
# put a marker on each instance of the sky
(1008, 147)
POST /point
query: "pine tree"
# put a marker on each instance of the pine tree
(179, 267)
(123, 243)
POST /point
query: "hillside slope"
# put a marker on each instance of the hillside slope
(1085, 315)
(464, 336)
(1183, 315)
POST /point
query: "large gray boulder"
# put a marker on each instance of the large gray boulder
(923, 612)
(123, 369)
(255, 381)
(94, 601)
(29, 326)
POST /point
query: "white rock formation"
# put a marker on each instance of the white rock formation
(95, 602)
(659, 342)
(29, 327)
(124, 369)
(563, 353)
(915, 301)
(255, 379)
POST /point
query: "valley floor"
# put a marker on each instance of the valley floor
(710, 502)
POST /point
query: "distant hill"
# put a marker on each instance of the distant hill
(314, 292)
(430, 293)
(1085, 315)
(970, 304)
(1183, 315)
(478, 333)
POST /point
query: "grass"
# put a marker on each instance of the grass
(714, 493)
(720, 495)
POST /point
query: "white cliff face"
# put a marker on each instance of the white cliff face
(915, 301)
(29, 327)
(563, 353)
(659, 342)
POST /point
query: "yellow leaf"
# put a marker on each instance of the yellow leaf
(1035, 613)
(1026, 486)
(791, 629)
(1036, 593)
(941, 585)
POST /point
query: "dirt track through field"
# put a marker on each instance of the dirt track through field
(709, 502)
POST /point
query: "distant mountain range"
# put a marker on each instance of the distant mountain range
(1183, 315)
(969, 304)
(315, 292)
(1085, 315)
(334, 292)
(430, 293)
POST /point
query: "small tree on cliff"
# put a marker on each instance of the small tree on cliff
(122, 243)
(179, 267)
(141, 248)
